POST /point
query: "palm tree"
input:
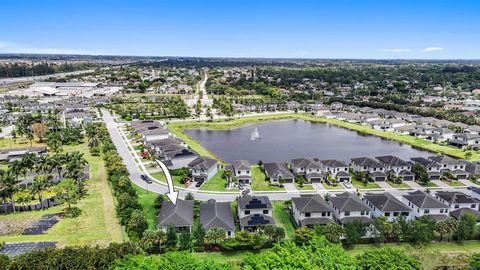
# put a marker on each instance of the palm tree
(9, 185)
(75, 167)
(40, 184)
(56, 162)
(215, 236)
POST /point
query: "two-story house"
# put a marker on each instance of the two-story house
(310, 168)
(433, 168)
(337, 169)
(459, 203)
(424, 204)
(385, 204)
(398, 167)
(370, 166)
(254, 211)
(203, 169)
(278, 173)
(455, 166)
(349, 207)
(241, 169)
(311, 210)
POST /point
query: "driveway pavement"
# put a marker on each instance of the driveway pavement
(290, 187)
(384, 184)
(440, 183)
(413, 184)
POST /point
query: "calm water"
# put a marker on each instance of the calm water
(288, 139)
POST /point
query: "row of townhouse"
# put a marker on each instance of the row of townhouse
(342, 208)
(429, 128)
(253, 212)
(161, 143)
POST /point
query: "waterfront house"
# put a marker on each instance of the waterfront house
(310, 168)
(215, 214)
(203, 169)
(459, 203)
(454, 166)
(178, 158)
(337, 169)
(254, 212)
(179, 216)
(348, 207)
(311, 210)
(370, 166)
(277, 172)
(424, 204)
(241, 169)
(398, 167)
(385, 204)
(433, 168)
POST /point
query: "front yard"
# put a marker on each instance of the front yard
(259, 182)
(361, 185)
(401, 185)
(217, 183)
(282, 218)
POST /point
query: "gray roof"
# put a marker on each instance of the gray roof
(306, 163)
(202, 163)
(333, 163)
(455, 197)
(254, 202)
(256, 220)
(386, 202)
(423, 200)
(348, 202)
(316, 221)
(180, 215)
(462, 211)
(241, 165)
(365, 161)
(216, 215)
(445, 160)
(425, 162)
(363, 219)
(392, 161)
(276, 169)
(311, 204)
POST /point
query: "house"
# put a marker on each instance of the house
(348, 207)
(337, 169)
(454, 166)
(433, 168)
(241, 170)
(385, 204)
(178, 158)
(424, 204)
(203, 169)
(473, 168)
(459, 203)
(254, 211)
(369, 166)
(445, 133)
(75, 117)
(278, 172)
(151, 133)
(398, 167)
(311, 210)
(310, 168)
(465, 139)
(404, 130)
(215, 214)
(179, 216)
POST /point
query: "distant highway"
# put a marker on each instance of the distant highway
(8, 81)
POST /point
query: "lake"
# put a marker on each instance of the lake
(285, 140)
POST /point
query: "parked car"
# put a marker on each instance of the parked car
(143, 177)
(347, 184)
(198, 184)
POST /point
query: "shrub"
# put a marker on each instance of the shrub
(72, 212)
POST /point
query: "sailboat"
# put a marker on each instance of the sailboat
(255, 136)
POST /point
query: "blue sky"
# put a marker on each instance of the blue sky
(438, 29)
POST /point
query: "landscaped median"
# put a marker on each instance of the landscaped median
(177, 128)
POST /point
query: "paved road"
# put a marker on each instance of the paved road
(7, 81)
(160, 188)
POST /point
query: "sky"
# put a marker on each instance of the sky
(393, 29)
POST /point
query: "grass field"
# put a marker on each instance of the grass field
(305, 187)
(147, 199)
(428, 184)
(178, 127)
(401, 185)
(175, 178)
(259, 182)
(360, 185)
(217, 183)
(282, 218)
(97, 224)
(17, 143)
(455, 184)
(329, 187)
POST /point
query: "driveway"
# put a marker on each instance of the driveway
(289, 187)
(383, 184)
(440, 183)
(468, 183)
(413, 184)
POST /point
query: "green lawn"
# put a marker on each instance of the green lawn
(147, 199)
(455, 184)
(401, 185)
(232, 257)
(17, 143)
(329, 187)
(259, 182)
(282, 218)
(175, 178)
(428, 184)
(305, 187)
(360, 185)
(97, 223)
(217, 183)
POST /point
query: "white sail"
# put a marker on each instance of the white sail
(255, 136)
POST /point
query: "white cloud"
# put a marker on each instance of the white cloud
(432, 49)
(7, 47)
(397, 50)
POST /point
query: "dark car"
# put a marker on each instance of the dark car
(143, 177)
(148, 180)
(198, 184)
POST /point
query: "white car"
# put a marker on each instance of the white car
(347, 184)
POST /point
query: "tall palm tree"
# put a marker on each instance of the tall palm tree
(40, 184)
(9, 185)
(56, 162)
(16, 168)
(75, 166)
